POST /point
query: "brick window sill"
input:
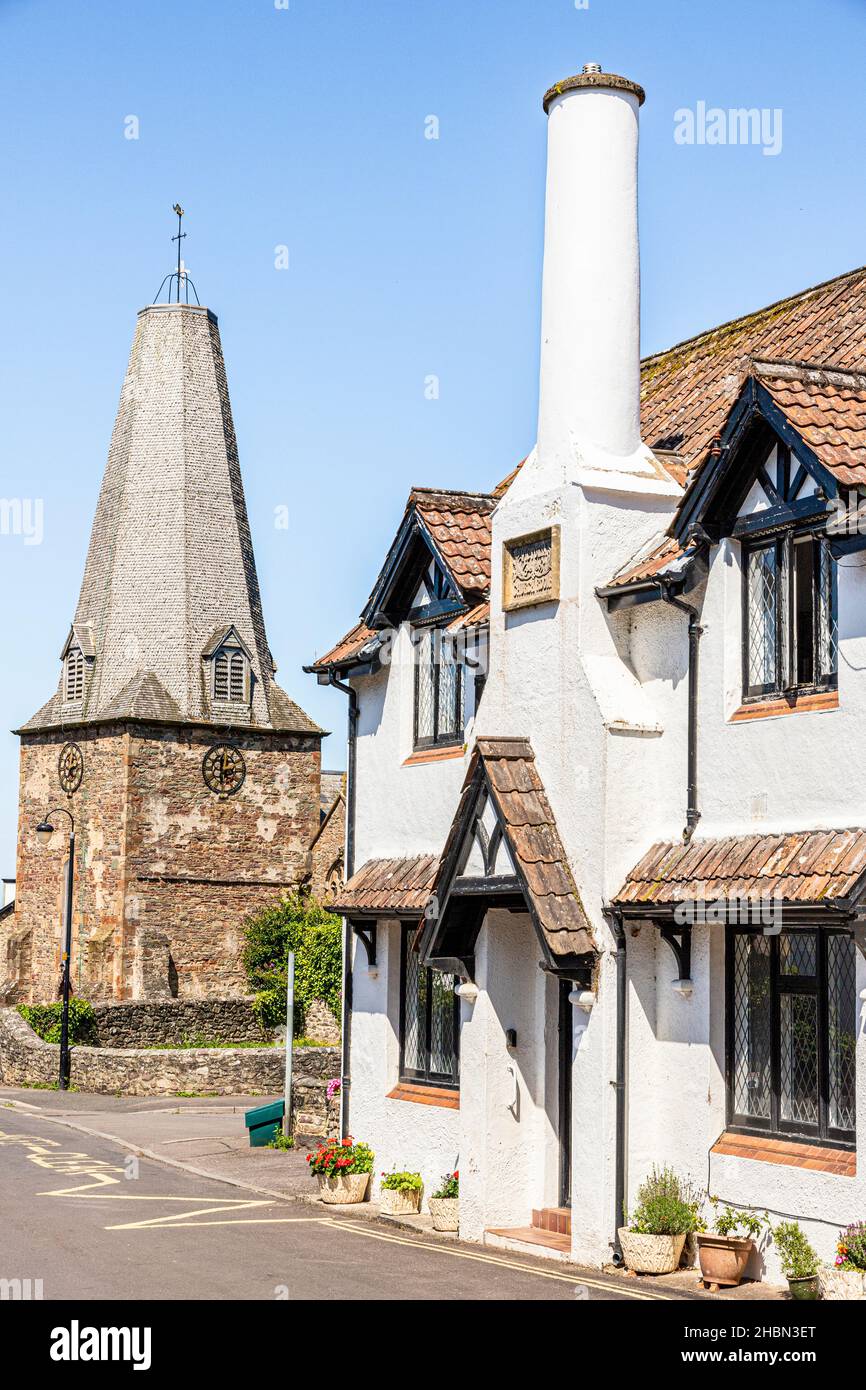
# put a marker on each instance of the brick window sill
(842, 1162)
(434, 755)
(771, 709)
(443, 1096)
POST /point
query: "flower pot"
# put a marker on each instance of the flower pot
(393, 1202)
(723, 1259)
(842, 1284)
(651, 1254)
(444, 1211)
(805, 1289)
(343, 1188)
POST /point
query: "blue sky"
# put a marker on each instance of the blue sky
(304, 127)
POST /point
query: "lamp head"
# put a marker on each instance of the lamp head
(44, 831)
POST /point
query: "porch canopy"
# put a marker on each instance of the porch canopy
(808, 876)
(504, 850)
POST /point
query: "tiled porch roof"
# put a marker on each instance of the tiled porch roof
(389, 886)
(808, 866)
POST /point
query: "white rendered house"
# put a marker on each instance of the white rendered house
(607, 857)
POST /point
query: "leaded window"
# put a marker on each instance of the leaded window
(789, 611)
(792, 1031)
(429, 1018)
(438, 690)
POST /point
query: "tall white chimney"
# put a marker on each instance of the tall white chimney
(589, 407)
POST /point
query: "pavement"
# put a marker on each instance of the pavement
(255, 1223)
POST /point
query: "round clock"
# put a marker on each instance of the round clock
(70, 766)
(223, 769)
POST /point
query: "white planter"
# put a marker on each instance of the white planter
(842, 1284)
(344, 1188)
(393, 1202)
(445, 1213)
(651, 1254)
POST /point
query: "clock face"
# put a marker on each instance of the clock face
(70, 766)
(223, 769)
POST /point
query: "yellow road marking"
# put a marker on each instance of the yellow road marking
(444, 1249)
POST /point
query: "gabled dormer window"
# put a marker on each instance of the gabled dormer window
(73, 676)
(438, 690)
(230, 669)
(789, 599)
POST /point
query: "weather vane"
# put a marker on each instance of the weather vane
(181, 275)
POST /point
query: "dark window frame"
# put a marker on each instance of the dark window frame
(425, 1076)
(451, 738)
(786, 682)
(816, 986)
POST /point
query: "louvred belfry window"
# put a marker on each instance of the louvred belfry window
(230, 677)
(792, 1033)
(74, 683)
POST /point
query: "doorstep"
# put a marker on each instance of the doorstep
(530, 1240)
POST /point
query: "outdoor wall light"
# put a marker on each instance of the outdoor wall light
(684, 988)
(582, 999)
(467, 990)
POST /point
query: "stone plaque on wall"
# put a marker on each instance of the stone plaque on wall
(530, 569)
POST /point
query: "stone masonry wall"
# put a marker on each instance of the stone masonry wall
(26, 1060)
(158, 853)
(148, 1023)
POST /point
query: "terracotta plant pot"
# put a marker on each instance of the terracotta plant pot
(805, 1289)
(343, 1188)
(393, 1202)
(445, 1213)
(842, 1284)
(651, 1254)
(723, 1259)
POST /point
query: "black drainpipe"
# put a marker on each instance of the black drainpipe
(693, 815)
(345, 1051)
(615, 919)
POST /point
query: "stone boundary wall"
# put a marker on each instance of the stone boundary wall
(26, 1059)
(147, 1023)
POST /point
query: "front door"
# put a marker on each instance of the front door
(566, 1054)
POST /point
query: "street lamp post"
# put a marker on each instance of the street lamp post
(44, 831)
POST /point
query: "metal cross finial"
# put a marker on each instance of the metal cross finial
(179, 238)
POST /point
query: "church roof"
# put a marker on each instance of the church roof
(170, 563)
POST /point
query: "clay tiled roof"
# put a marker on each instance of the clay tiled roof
(459, 525)
(389, 887)
(347, 650)
(808, 866)
(687, 392)
(532, 837)
(474, 618)
(654, 559)
(831, 418)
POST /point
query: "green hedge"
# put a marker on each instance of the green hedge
(45, 1020)
(302, 925)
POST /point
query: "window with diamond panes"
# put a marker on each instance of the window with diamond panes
(789, 616)
(438, 690)
(428, 1019)
(792, 1028)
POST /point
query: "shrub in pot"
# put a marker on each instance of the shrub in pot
(799, 1260)
(444, 1205)
(725, 1251)
(343, 1169)
(847, 1278)
(399, 1193)
(666, 1212)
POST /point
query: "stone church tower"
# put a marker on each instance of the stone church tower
(193, 779)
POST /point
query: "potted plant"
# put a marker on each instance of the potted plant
(399, 1193)
(799, 1260)
(343, 1169)
(666, 1212)
(724, 1252)
(847, 1278)
(444, 1207)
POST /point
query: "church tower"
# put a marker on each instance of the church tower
(192, 778)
